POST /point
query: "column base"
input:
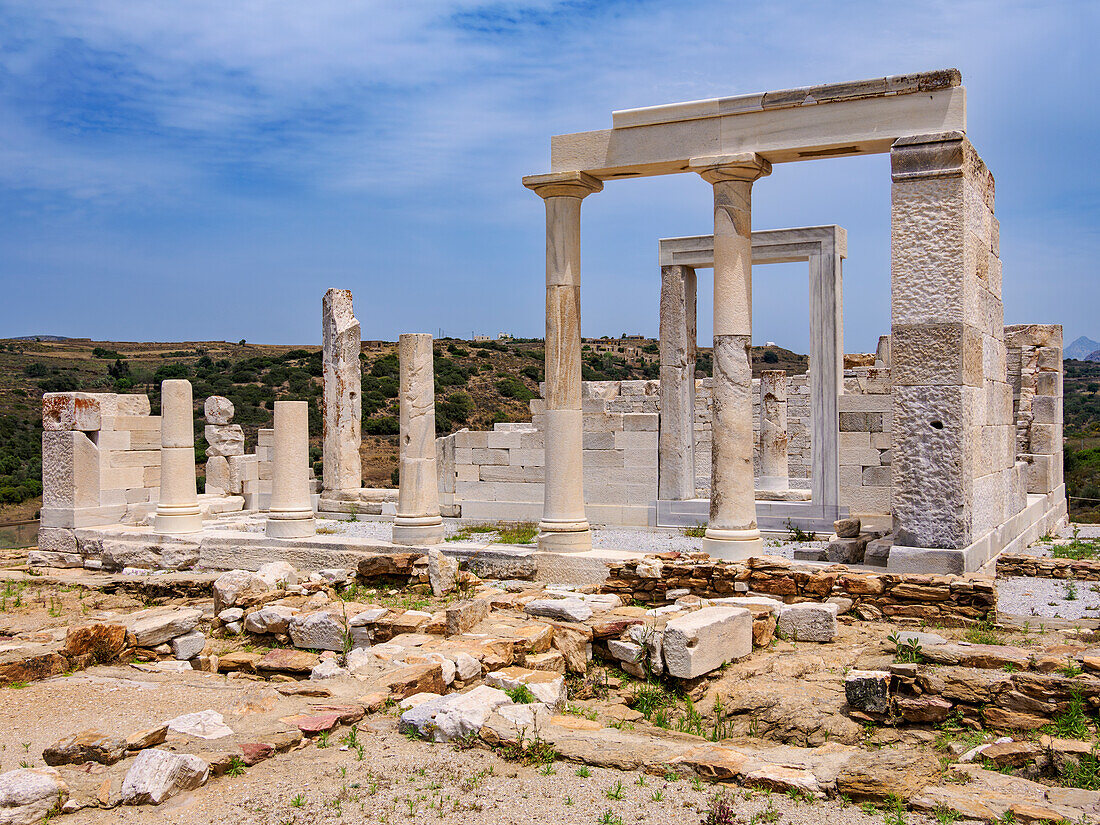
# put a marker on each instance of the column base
(415, 531)
(166, 524)
(733, 545)
(290, 528)
(572, 541)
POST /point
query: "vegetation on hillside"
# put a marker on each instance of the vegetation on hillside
(1081, 454)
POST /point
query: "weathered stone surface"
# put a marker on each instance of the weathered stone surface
(569, 610)
(342, 404)
(278, 574)
(272, 618)
(546, 687)
(421, 678)
(253, 753)
(238, 660)
(925, 710)
(142, 739)
(203, 724)
(224, 439)
(102, 642)
(464, 616)
(189, 645)
(286, 660)
(217, 410)
(455, 716)
(158, 625)
(311, 724)
(868, 690)
(238, 588)
(29, 795)
(317, 631)
(327, 669)
(85, 746)
(157, 775)
(1011, 754)
(878, 774)
(442, 572)
(387, 565)
(847, 528)
(846, 550)
(703, 641)
(808, 622)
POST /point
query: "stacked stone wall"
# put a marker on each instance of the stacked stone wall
(1035, 374)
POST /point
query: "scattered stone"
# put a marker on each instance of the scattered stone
(925, 710)
(303, 689)
(868, 691)
(783, 778)
(189, 645)
(287, 660)
(464, 616)
(876, 775)
(238, 660)
(157, 775)
(422, 678)
(254, 752)
(149, 738)
(808, 622)
(551, 661)
(203, 724)
(231, 614)
(238, 588)
(847, 528)
(278, 575)
(157, 625)
(705, 640)
(442, 572)
(218, 410)
(1011, 754)
(847, 551)
(317, 631)
(877, 552)
(29, 795)
(455, 716)
(328, 669)
(85, 746)
(568, 610)
(272, 618)
(101, 642)
(546, 687)
(467, 667)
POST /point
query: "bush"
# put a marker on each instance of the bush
(514, 388)
(385, 365)
(59, 383)
(36, 369)
(385, 425)
(770, 357)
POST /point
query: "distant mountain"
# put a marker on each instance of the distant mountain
(1093, 356)
(64, 338)
(1082, 349)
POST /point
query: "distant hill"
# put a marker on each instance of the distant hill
(64, 338)
(1083, 349)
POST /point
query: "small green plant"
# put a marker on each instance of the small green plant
(1070, 670)
(697, 532)
(982, 633)
(583, 772)
(1083, 772)
(906, 650)
(721, 810)
(615, 791)
(657, 795)
(640, 781)
(609, 817)
(322, 739)
(236, 767)
(945, 815)
(298, 800)
(351, 738)
(895, 811)
(548, 769)
(521, 695)
(697, 783)
(797, 534)
(1071, 590)
(523, 533)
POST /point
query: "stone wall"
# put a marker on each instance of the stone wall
(1044, 567)
(100, 465)
(1035, 374)
(927, 599)
(866, 429)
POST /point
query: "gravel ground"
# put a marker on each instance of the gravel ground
(1046, 598)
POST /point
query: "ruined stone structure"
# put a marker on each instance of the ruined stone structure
(417, 520)
(291, 513)
(773, 431)
(343, 376)
(178, 506)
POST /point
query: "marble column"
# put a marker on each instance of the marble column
(732, 532)
(291, 513)
(564, 525)
(773, 431)
(418, 520)
(341, 344)
(676, 442)
(178, 505)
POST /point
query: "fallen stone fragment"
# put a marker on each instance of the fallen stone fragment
(876, 775)
(238, 588)
(568, 610)
(464, 616)
(230, 615)
(328, 669)
(551, 660)
(238, 660)
(255, 752)
(29, 795)
(808, 622)
(272, 618)
(189, 645)
(546, 687)
(347, 713)
(455, 716)
(142, 739)
(311, 724)
(1011, 754)
(442, 572)
(467, 667)
(287, 660)
(783, 779)
(847, 528)
(700, 642)
(868, 691)
(317, 631)
(85, 746)
(925, 710)
(102, 642)
(157, 775)
(203, 724)
(303, 689)
(278, 574)
(422, 678)
(157, 625)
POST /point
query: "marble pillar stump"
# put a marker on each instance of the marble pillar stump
(341, 342)
(732, 532)
(564, 525)
(676, 440)
(178, 505)
(418, 520)
(773, 431)
(291, 513)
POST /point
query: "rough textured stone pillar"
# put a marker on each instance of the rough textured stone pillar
(341, 343)
(564, 524)
(178, 505)
(773, 431)
(953, 453)
(676, 445)
(291, 513)
(418, 520)
(732, 532)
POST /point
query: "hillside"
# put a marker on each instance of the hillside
(477, 384)
(1082, 433)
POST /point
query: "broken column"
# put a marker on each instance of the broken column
(291, 513)
(223, 441)
(732, 532)
(418, 520)
(342, 408)
(178, 506)
(564, 524)
(676, 443)
(773, 431)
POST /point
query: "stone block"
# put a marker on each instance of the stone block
(808, 622)
(640, 422)
(868, 691)
(846, 528)
(70, 470)
(218, 410)
(224, 439)
(66, 411)
(877, 551)
(876, 476)
(846, 550)
(704, 640)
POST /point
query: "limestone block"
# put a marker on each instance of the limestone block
(868, 691)
(847, 550)
(70, 470)
(342, 408)
(217, 475)
(133, 458)
(218, 410)
(704, 640)
(317, 631)
(224, 439)
(65, 411)
(808, 622)
(157, 775)
(29, 796)
(1046, 410)
(846, 528)
(265, 438)
(640, 422)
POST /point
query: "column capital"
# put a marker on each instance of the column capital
(745, 166)
(563, 184)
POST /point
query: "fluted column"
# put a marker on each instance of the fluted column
(418, 520)
(564, 525)
(773, 431)
(291, 514)
(732, 532)
(178, 505)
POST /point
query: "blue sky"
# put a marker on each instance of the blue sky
(205, 169)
